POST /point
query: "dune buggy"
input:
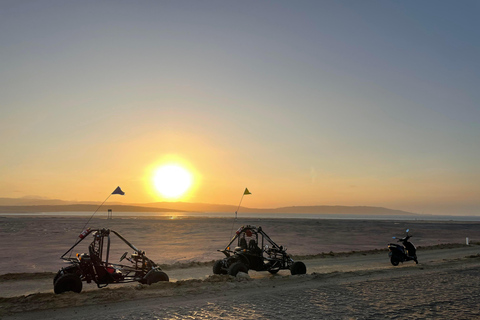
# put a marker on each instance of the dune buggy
(95, 265)
(254, 250)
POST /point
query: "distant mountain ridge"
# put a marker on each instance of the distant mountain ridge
(80, 208)
(320, 209)
(11, 205)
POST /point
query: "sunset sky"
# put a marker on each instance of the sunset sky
(304, 102)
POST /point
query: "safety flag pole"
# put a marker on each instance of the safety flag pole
(246, 192)
(116, 191)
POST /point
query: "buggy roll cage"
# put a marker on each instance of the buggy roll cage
(92, 266)
(96, 247)
(255, 232)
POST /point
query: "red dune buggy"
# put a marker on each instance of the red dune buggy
(95, 265)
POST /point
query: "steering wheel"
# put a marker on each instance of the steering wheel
(123, 256)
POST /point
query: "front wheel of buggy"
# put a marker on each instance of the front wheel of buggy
(157, 276)
(69, 269)
(68, 282)
(273, 271)
(218, 267)
(236, 268)
(58, 275)
(298, 267)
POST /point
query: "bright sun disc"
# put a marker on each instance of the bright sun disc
(172, 181)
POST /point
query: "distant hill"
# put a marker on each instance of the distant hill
(9, 205)
(364, 210)
(203, 207)
(80, 208)
(196, 207)
(30, 201)
(40, 201)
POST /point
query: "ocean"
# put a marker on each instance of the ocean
(34, 243)
(173, 215)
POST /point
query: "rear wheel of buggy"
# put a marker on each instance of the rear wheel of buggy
(156, 276)
(298, 267)
(68, 282)
(218, 267)
(394, 261)
(236, 268)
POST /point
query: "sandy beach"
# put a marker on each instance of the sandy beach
(353, 279)
(438, 288)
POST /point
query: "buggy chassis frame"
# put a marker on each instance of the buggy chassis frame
(92, 267)
(261, 253)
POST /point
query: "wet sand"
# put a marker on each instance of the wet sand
(349, 285)
(435, 289)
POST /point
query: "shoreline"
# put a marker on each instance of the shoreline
(248, 215)
(36, 244)
(171, 297)
(193, 264)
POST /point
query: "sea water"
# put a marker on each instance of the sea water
(34, 243)
(173, 215)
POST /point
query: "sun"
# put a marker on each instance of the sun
(172, 181)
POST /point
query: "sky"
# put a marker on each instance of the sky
(368, 103)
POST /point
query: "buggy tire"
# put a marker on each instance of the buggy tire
(394, 261)
(274, 271)
(298, 267)
(156, 276)
(58, 275)
(69, 269)
(218, 267)
(236, 268)
(68, 282)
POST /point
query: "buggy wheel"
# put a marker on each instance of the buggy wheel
(218, 267)
(394, 261)
(58, 275)
(68, 282)
(156, 276)
(273, 271)
(298, 267)
(236, 268)
(69, 269)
